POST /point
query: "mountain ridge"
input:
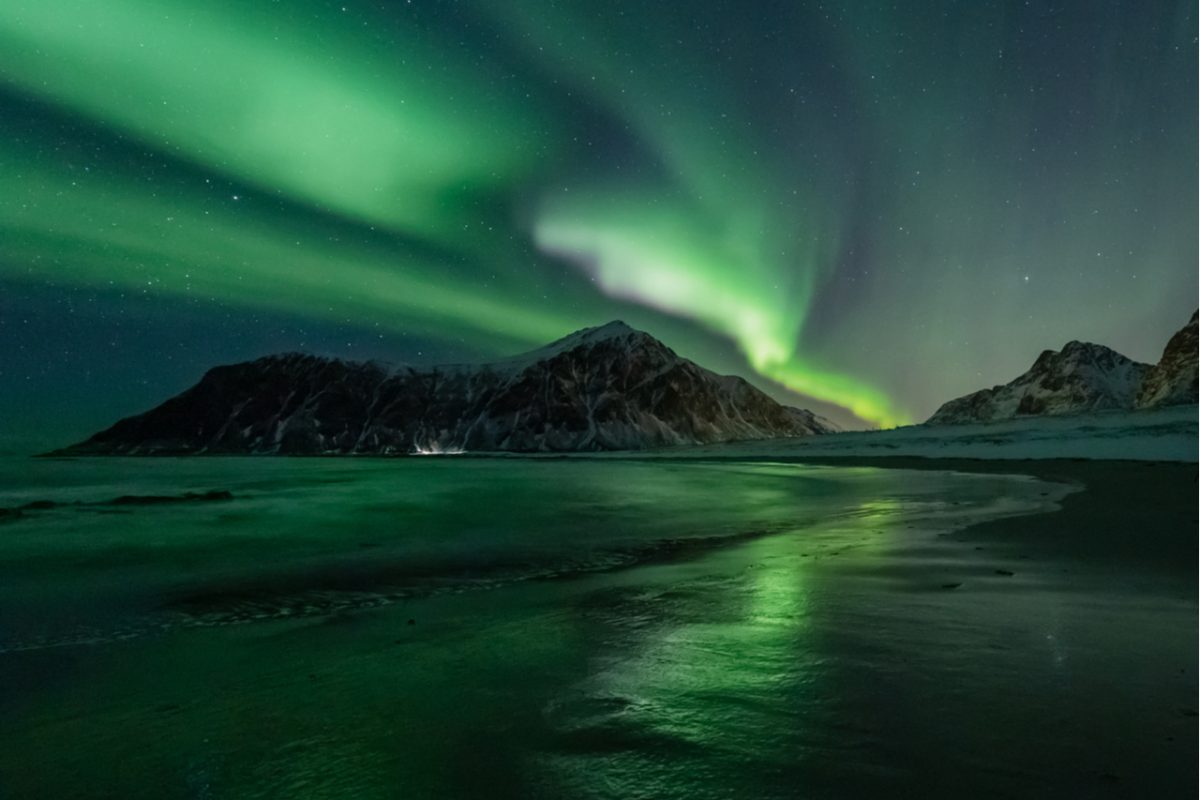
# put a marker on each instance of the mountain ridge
(608, 387)
(1083, 377)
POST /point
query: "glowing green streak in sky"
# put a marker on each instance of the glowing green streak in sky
(863, 401)
(107, 232)
(321, 111)
(654, 255)
(665, 264)
(724, 242)
(392, 132)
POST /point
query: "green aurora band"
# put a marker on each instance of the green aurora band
(388, 173)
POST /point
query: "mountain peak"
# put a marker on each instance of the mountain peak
(615, 331)
(611, 328)
(1077, 347)
(598, 333)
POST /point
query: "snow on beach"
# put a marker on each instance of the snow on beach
(1168, 434)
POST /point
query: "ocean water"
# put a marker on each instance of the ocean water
(463, 627)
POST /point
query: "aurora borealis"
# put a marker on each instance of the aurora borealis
(874, 206)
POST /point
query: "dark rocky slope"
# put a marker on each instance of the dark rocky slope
(1173, 380)
(602, 388)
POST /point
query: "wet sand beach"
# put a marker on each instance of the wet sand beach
(898, 628)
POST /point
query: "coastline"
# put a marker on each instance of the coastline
(1118, 503)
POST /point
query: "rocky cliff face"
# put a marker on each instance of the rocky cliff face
(1081, 377)
(1173, 380)
(602, 388)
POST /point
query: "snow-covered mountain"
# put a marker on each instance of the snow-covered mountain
(1085, 377)
(1173, 380)
(1080, 377)
(603, 388)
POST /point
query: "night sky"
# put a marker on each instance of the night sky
(876, 205)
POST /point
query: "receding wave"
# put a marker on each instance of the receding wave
(13, 513)
(330, 592)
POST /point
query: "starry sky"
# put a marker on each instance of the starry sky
(863, 207)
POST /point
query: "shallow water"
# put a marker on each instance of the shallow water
(461, 627)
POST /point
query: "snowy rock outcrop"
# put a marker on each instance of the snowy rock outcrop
(1085, 377)
(1173, 380)
(604, 388)
(1080, 377)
